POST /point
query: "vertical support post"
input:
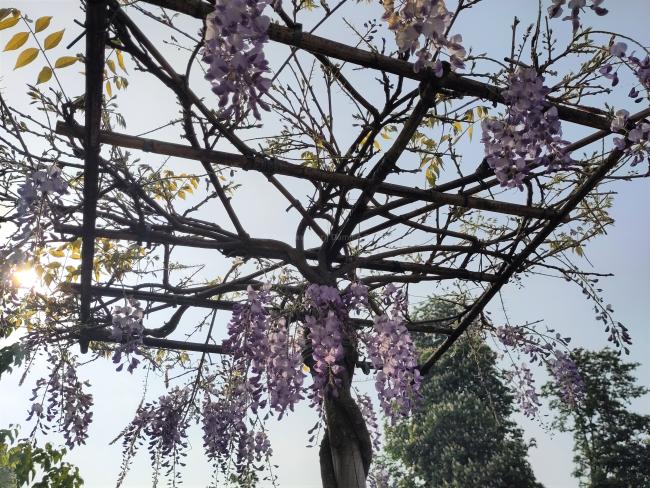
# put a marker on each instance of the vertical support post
(95, 45)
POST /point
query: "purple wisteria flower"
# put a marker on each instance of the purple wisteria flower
(522, 382)
(429, 20)
(283, 369)
(234, 50)
(370, 417)
(640, 68)
(67, 402)
(575, 7)
(392, 353)
(567, 378)
(225, 431)
(264, 351)
(128, 331)
(529, 136)
(38, 185)
(324, 320)
(164, 424)
(635, 142)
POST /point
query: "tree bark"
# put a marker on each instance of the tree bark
(346, 449)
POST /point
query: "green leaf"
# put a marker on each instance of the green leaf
(53, 39)
(26, 57)
(16, 41)
(42, 23)
(10, 357)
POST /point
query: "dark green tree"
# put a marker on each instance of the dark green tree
(611, 443)
(464, 435)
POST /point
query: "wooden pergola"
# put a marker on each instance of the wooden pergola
(348, 197)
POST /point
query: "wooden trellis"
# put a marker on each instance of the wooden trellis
(326, 263)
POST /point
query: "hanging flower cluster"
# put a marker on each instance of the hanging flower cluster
(263, 351)
(127, 330)
(325, 318)
(283, 369)
(538, 347)
(529, 136)
(575, 7)
(636, 142)
(39, 185)
(234, 50)
(548, 348)
(392, 353)
(370, 417)
(567, 378)
(431, 21)
(67, 403)
(523, 384)
(225, 430)
(164, 424)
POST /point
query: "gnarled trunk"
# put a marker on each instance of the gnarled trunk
(346, 449)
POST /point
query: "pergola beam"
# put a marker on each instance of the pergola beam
(277, 166)
(95, 45)
(586, 116)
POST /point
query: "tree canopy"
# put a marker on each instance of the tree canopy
(610, 440)
(287, 181)
(464, 434)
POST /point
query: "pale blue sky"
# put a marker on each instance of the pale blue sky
(623, 251)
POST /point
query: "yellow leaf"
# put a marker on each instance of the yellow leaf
(431, 175)
(26, 57)
(44, 76)
(376, 145)
(10, 22)
(57, 253)
(16, 41)
(111, 65)
(109, 90)
(53, 39)
(42, 23)
(120, 60)
(64, 61)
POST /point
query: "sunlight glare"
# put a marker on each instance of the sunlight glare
(26, 278)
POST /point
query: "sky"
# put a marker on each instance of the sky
(622, 252)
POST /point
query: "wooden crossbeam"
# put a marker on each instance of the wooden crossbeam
(277, 166)
(463, 85)
(103, 335)
(150, 296)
